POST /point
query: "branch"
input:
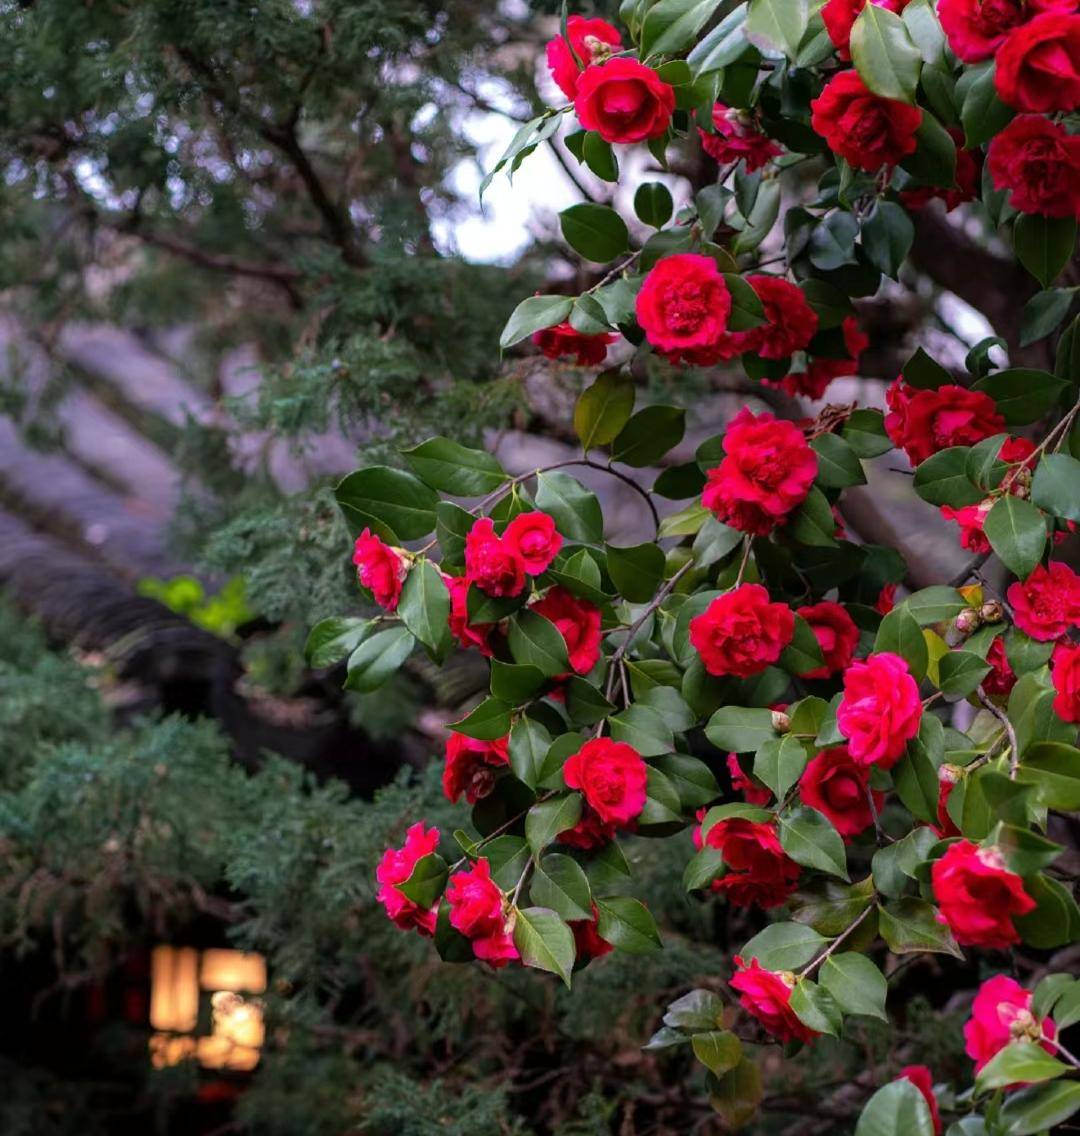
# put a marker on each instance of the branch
(1010, 733)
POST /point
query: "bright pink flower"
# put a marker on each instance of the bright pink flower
(534, 538)
(611, 776)
(578, 622)
(978, 895)
(971, 519)
(380, 568)
(836, 785)
(395, 867)
(1047, 603)
(1000, 1015)
(683, 306)
(836, 633)
(766, 473)
(742, 632)
(471, 766)
(624, 101)
(767, 995)
(478, 911)
(880, 711)
(588, 38)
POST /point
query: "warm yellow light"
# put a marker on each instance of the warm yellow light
(239, 1021)
(232, 970)
(168, 1049)
(174, 989)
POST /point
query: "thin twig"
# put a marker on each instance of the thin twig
(1014, 749)
(815, 963)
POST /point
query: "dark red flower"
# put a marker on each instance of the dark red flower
(836, 633)
(922, 422)
(380, 568)
(395, 867)
(977, 28)
(611, 776)
(471, 765)
(754, 793)
(789, 324)
(820, 372)
(587, 941)
(478, 911)
(1047, 603)
(1065, 671)
(578, 622)
(1001, 679)
(588, 38)
(965, 185)
(534, 538)
(565, 342)
(467, 634)
(836, 785)
(978, 895)
(683, 306)
(866, 130)
(767, 995)
(1038, 162)
(757, 869)
(742, 632)
(494, 565)
(624, 101)
(1038, 65)
(839, 17)
(971, 519)
(886, 600)
(949, 776)
(738, 137)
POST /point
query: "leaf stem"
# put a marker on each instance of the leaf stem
(816, 962)
(1014, 749)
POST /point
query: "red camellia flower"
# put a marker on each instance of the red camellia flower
(1038, 162)
(578, 622)
(683, 307)
(1065, 670)
(395, 867)
(1038, 65)
(624, 101)
(1001, 679)
(866, 130)
(839, 17)
(820, 372)
(754, 793)
(588, 38)
(493, 564)
(380, 568)
(789, 324)
(922, 422)
(587, 941)
(767, 995)
(766, 473)
(1047, 603)
(886, 600)
(533, 537)
(1000, 1015)
(742, 632)
(1016, 451)
(977, 28)
(978, 895)
(836, 634)
(565, 342)
(971, 519)
(880, 711)
(949, 776)
(477, 911)
(758, 869)
(471, 765)
(738, 137)
(468, 635)
(590, 832)
(921, 1077)
(836, 784)
(611, 776)
(965, 185)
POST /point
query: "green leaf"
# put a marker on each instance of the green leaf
(810, 839)
(887, 236)
(1067, 360)
(691, 778)
(1022, 395)
(784, 946)
(599, 157)
(909, 925)
(532, 315)
(855, 983)
(1056, 486)
(1054, 769)
(537, 641)
(803, 653)
(575, 509)
(1017, 533)
(487, 722)
(529, 745)
(815, 1007)
(838, 464)
(546, 819)
(1019, 1062)
(934, 604)
(584, 703)
(702, 868)
(736, 1095)
(644, 728)
(377, 658)
(560, 884)
(597, 232)
(1044, 245)
(544, 941)
(653, 204)
(982, 113)
(942, 479)
(901, 635)
(777, 25)
(960, 672)
(331, 640)
(813, 522)
(625, 923)
(394, 503)
(507, 856)
(832, 243)
(649, 434)
(924, 372)
(925, 29)
(887, 60)
(747, 310)
(739, 729)
(896, 1109)
(424, 607)
(1039, 1108)
(602, 409)
(589, 315)
(717, 1050)
(722, 45)
(934, 159)
(779, 763)
(671, 26)
(426, 883)
(686, 522)
(515, 683)
(894, 865)
(453, 468)
(1043, 313)
(636, 571)
(864, 432)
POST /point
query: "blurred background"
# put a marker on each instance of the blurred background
(242, 253)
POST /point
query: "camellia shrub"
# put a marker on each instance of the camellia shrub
(870, 818)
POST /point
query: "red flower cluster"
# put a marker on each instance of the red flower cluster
(1038, 162)
(864, 129)
(971, 519)
(588, 38)
(978, 895)
(738, 137)
(839, 17)
(754, 793)
(767, 995)
(880, 711)
(498, 565)
(758, 869)
(471, 765)
(395, 867)
(742, 632)
(565, 342)
(921, 1077)
(477, 910)
(683, 307)
(1038, 65)
(836, 634)
(380, 568)
(578, 622)
(820, 372)
(766, 473)
(977, 28)
(1000, 1015)
(611, 776)
(789, 324)
(836, 785)
(624, 101)
(1065, 669)
(922, 422)
(1047, 603)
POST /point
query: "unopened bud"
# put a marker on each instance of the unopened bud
(781, 722)
(1019, 489)
(1026, 1026)
(993, 611)
(598, 49)
(968, 620)
(950, 774)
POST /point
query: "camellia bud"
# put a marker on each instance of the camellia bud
(968, 620)
(598, 49)
(1026, 1026)
(993, 611)
(950, 774)
(781, 722)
